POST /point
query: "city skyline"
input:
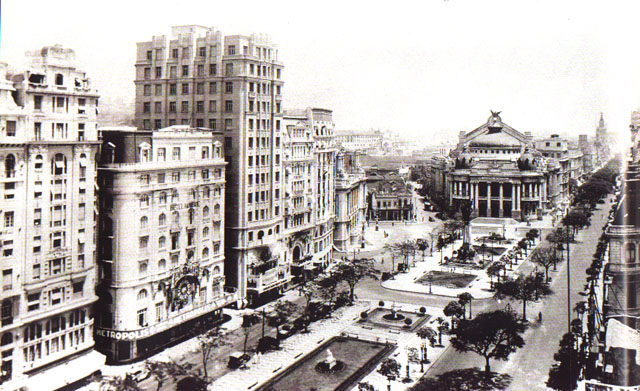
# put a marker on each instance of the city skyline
(558, 67)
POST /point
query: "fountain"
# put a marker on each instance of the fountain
(330, 364)
(394, 315)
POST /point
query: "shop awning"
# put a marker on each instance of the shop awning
(69, 372)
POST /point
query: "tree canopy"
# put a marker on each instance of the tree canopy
(492, 335)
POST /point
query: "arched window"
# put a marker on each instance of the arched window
(59, 164)
(59, 79)
(142, 267)
(205, 232)
(144, 200)
(162, 198)
(260, 234)
(216, 248)
(162, 241)
(216, 270)
(205, 253)
(174, 259)
(142, 295)
(144, 222)
(216, 210)
(205, 211)
(193, 194)
(192, 215)
(630, 253)
(175, 197)
(206, 192)
(176, 217)
(190, 255)
(7, 338)
(162, 264)
(162, 220)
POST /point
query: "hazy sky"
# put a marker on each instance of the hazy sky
(426, 69)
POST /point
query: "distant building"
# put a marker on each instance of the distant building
(350, 200)
(48, 145)
(570, 161)
(586, 148)
(604, 143)
(367, 141)
(389, 197)
(162, 238)
(499, 170)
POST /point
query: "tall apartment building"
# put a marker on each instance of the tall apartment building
(232, 83)
(309, 188)
(162, 238)
(351, 200)
(48, 144)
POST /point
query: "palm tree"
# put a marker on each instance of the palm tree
(463, 299)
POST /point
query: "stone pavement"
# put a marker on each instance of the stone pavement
(292, 349)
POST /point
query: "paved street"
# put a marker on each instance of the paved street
(530, 365)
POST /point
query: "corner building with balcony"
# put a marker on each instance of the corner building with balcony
(48, 147)
(309, 188)
(162, 196)
(232, 83)
(351, 200)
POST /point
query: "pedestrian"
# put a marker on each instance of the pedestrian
(540, 317)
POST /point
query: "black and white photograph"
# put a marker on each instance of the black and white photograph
(280, 195)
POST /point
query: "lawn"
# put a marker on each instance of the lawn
(447, 279)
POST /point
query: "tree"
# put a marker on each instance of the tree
(571, 357)
(443, 326)
(494, 334)
(466, 210)
(126, 383)
(426, 333)
(161, 371)
(282, 310)
(354, 271)
(494, 271)
(522, 244)
(390, 368)
(208, 342)
(248, 320)
(327, 287)
(524, 289)
(422, 246)
(454, 310)
(545, 257)
(576, 219)
(465, 298)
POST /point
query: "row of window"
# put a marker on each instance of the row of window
(145, 199)
(199, 71)
(201, 51)
(262, 178)
(184, 107)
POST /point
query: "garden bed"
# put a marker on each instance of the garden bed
(447, 279)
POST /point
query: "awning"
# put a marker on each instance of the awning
(71, 371)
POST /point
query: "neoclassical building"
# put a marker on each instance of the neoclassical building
(498, 170)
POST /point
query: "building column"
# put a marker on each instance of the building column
(539, 188)
(513, 199)
(501, 212)
(488, 199)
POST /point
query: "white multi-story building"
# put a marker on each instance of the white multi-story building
(360, 140)
(351, 200)
(162, 238)
(200, 76)
(309, 164)
(48, 144)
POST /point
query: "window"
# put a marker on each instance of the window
(11, 128)
(142, 294)
(142, 267)
(174, 53)
(160, 307)
(144, 223)
(228, 106)
(200, 70)
(185, 70)
(162, 154)
(176, 153)
(173, 89)
(200, 106)
(205, 152)
(185, 89)
(144, 201)
(202, 52)
(146, 107)
(173, 72)
(213, 124)
(212, 106)
(147, 73)
(228, 70)
(231, 50)
(149, 55)
(228, 124)
(143, 242)
(175, 177)
(228, 87)
(157, 107)
(200, 88)
(142, 317)
(8, 219)
(158, 72)
(162, 241)
(158, 89)
(37, 102)
(213, 69)
(33, 301)
(184, 107)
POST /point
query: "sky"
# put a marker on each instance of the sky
(426, 70)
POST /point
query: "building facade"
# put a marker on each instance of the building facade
(162, 238)
(389, 199)
(200, 76)
(309, 187)
(359, 140)
(499, 171)
(570, 164)
(351, 200)
(48, 145)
